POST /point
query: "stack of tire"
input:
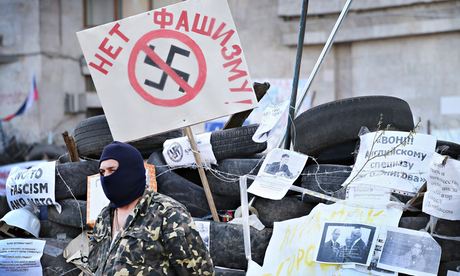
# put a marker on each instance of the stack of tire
(329, 133)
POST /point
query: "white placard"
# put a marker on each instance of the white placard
(178, 152)
(271, 116)
(453, 273)
(294, 242)
(32, 186)
(278, 171)
(176, 66)
(393, 159)
(442, 198)
(203, 227)
(21, 257)
(411, 252)
(5, 171)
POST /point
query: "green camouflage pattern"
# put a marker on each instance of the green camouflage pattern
(160, 238)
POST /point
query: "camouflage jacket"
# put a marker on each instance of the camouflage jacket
(160, 238)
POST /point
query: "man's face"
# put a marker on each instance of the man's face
(284, 160)
(416, 250)
(356, 234)
(335, 235)
(108, 167)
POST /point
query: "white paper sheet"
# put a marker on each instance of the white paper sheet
(178, 152)
(21, 257)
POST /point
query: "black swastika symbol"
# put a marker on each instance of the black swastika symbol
(172, 51)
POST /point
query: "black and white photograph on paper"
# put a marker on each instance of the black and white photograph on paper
(410, 252)
(343, 243)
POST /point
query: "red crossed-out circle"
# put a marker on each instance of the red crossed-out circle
(142, 46)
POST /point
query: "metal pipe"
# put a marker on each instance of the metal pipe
(324, 52)
(295, 82)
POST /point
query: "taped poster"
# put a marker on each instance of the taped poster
(294, 243)
(270, 118)
(278, 171)
(368, 194)
(21, 257)
(345, 243)
(179, 65)
(410, 252)
(393, 159)
(32, 186)
(96, 199)
(178, 152)
(5, 171)
(442, 198)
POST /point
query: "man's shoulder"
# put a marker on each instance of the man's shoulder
(165, 201)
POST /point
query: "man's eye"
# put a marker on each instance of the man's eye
(101, 172)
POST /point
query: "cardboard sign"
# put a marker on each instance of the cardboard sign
(178, 152)
(21, 257)
(5, 171)
(393, 159)
(442, 198)
(31, 186)
(96, 199)
(294, 243)
(178, 65)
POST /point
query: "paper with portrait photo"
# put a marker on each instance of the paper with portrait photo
(277, 174)
(410, 252)
(294, 242)
(346, 243)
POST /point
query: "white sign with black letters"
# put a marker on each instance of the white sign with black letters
(442, 198)
(32, 186)
(21, 257)
(393, 159)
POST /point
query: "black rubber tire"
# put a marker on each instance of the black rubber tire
(446, 266)
(49, 229)
(223, 179)
(329, 177)
(93, 134)
(339, 122)
(235, 142)
(448, 148)
(414, 223)
(4, 207)
(343, 154)
(449, 250)
(74, 174)
(227, 245)
(223, 271)
(56, 265)
(288, 207)
(185, 191)
(45, 151)
(70, 215)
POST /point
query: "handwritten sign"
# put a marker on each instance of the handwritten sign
(5, 171)
(294, 243)
(178, 65)
(31, 186)
(442, 198)
(393, 159)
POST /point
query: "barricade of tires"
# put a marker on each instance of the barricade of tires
(329, 133)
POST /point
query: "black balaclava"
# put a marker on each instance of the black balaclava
(128, 182)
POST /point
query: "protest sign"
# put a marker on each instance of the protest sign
(271, 116)
(178, 152)
(21, 257)
(411, 252)
(96, 199)
(5, 171)
(178, 65)
(278, 171)
(294, 243)
(32, 186)
(442, 198)
(393, 159)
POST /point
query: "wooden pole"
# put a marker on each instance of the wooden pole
(204, 179)
(71, 147)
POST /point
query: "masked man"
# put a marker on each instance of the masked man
(142, 232)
